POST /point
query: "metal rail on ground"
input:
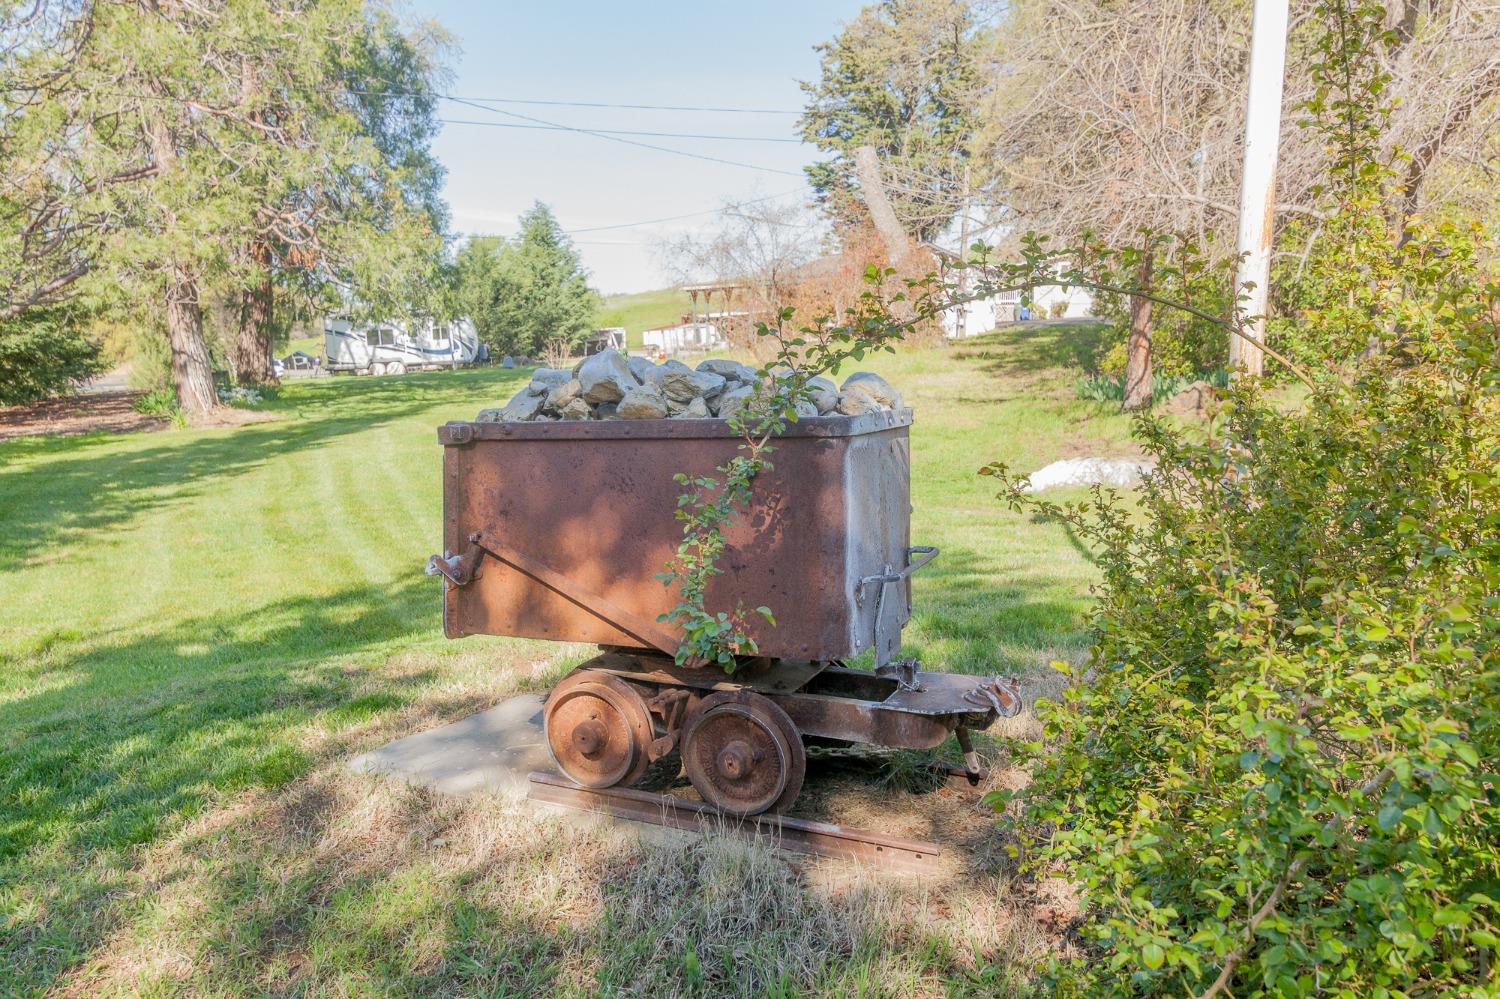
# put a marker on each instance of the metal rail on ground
(820, 839)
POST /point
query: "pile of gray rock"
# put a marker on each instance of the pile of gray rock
(610, 386)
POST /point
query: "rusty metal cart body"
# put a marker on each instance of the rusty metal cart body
(558, 531)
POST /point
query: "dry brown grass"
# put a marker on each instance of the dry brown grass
(344, 884)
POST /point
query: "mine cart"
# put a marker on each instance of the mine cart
(558, 531)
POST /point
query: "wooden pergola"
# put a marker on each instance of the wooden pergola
(725, 291)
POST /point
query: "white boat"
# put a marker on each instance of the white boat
(392, 349)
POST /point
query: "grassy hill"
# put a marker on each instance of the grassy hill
(198, 628)
(643, 310)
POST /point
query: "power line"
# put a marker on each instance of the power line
(665, 218)
(577, 104)
(620, 139)
(616, 131)
(537, 122)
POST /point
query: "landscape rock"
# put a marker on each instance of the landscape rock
(729, 370)
(657, 372)
(734, 400)
(507, 361)
(543, 379)
(878, 388)
(564, 394)
(1088, 472)
(686, 384)
(641, 367)
(643, 402)
(524, 406)
(606, 376)
(609, 385)
(856, 400)
(824, 395)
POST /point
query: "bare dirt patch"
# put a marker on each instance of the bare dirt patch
(108, 412)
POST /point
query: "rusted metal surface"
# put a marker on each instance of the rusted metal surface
(766, 676)
(910, 709)
(598, 729)
(584, 512)
(742, 754)
(804, 836)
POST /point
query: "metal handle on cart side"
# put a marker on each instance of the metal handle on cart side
(928, 553)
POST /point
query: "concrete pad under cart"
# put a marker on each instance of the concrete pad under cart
(493, 751)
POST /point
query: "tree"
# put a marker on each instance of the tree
(530, 293)
(1123, 120)
(174, 148)
(904, 77)
(758, 246)
(42, 353)
(386, 80)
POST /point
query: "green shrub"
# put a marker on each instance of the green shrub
(1278, 770)
(1102, 388)
(43, 354)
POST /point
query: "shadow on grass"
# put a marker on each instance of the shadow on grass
(1040, 346)
(137, 736)
(59, 490)
(138, 733)
(966, 618)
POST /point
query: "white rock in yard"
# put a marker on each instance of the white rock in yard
(806, 409)
(576, 409)
(878, 388)
(855, 400)
(1088, 472)
(606, 377)
(643, 402)
(695, 410)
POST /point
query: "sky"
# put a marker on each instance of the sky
(715, 54)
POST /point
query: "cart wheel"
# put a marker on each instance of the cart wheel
(598, 729)
(743, 754)
(395, 368)
(378, 368)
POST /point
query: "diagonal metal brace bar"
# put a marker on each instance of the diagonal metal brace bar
(483, 543)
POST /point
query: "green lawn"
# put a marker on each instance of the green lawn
(644, 310)
(197, 627)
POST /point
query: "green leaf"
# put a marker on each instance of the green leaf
(1152, 956)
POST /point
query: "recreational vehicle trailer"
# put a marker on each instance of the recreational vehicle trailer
(392, 349)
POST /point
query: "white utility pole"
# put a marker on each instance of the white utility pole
(1258, 181)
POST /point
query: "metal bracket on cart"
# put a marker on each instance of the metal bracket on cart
(887, 641)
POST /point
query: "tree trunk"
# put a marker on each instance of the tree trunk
(252, 345)
(882, 215)
(192, 370)
(1138, 347)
